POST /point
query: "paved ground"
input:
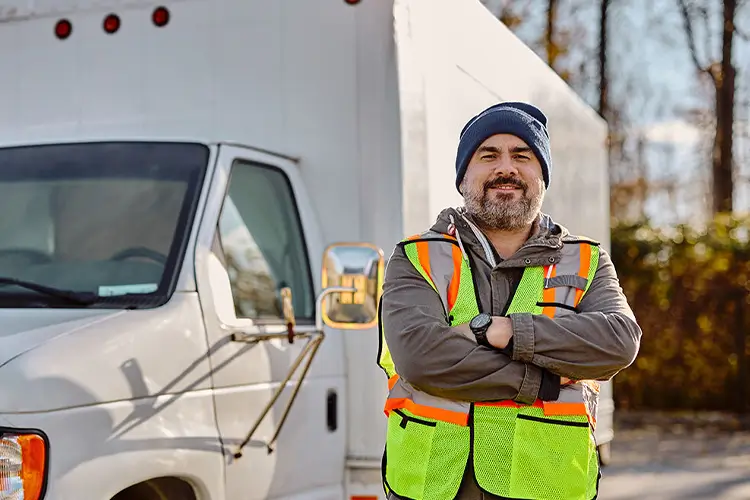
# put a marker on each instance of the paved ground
(698, 464)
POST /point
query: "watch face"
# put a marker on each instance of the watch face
(480, 321)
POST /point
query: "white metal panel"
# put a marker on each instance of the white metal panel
(119, 357)
(320, 108)
(13, 10)
(99, 450)
(381, 218)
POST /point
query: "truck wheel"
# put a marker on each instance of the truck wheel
(605, 454)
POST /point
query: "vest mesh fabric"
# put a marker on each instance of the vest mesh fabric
(425, 457)
(466, 306)
(529, 290)
(538, 453)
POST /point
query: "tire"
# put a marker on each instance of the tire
(158, 489)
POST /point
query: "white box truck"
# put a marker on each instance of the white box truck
(174, 179)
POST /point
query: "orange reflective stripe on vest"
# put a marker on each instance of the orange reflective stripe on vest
(583, 271)
(403, 396)
(548, 296)
(550, 408)
(455, 281)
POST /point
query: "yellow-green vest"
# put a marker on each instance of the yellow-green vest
(545, 450)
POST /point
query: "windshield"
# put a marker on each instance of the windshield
(110, 219)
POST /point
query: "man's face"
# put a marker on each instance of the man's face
(503, 188)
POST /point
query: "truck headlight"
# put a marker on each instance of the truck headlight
(23, 463)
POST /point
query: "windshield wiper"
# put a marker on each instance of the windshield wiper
(82, 298)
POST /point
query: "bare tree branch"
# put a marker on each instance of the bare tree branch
(689, 33)
(741, 33)
(705, 15)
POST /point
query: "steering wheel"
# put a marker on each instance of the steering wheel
(147, 253)
(34, 256)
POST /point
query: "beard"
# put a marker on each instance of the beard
(502, 211)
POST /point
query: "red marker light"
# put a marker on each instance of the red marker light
(352, 2)
(160, 17)
(63, 29)
(111, 23)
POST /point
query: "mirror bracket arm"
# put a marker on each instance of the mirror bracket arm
(319, 302)
(314, 339)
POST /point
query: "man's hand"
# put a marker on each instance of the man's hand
(500, 332)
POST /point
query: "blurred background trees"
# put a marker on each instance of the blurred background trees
(668, 77)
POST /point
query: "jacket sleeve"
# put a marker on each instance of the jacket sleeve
(446, 361)
(598, 342)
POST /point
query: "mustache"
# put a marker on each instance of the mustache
(505, 180)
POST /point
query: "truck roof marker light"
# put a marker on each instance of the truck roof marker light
(160, 17)
(111, 23)
(352, 2)
(63, 29)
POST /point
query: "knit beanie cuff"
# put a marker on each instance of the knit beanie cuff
(505, 118)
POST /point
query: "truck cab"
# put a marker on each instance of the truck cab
(159, 303)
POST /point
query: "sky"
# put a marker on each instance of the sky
(654, 77)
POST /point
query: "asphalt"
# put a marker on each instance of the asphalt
(665, 465)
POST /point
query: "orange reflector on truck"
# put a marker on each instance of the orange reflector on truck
(23, 460)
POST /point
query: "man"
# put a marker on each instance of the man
(495, 325)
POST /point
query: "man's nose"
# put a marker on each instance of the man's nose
(506, 166)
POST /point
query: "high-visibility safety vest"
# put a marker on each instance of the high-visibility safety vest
(544, 450)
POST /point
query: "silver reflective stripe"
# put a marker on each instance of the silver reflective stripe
(567, 280)
(441, 268)
(441, 263)
(403, 389)
(570, 264)
(585, 392)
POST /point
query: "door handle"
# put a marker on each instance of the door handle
(332, 410)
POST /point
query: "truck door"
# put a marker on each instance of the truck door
(258, 236)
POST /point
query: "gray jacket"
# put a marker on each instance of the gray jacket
(598, 342)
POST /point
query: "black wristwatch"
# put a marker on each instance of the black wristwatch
(479, 325)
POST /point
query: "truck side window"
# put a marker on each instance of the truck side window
(263, 244)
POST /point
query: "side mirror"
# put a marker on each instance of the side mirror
(355, 266)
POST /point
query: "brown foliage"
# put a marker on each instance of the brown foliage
(689, 291)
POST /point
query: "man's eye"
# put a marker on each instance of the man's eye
(521, 157)
(488, 157)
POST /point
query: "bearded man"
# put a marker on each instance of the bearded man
(496, 325)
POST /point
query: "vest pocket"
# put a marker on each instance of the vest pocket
(551, 457)
(425, 458)
(493, 447)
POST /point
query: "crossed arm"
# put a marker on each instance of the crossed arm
(446, 361)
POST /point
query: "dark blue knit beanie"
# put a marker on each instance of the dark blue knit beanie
(516, 118)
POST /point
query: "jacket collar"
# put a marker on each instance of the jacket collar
(546, 238)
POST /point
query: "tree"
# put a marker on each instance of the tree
(603, 69)
(722, 76)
